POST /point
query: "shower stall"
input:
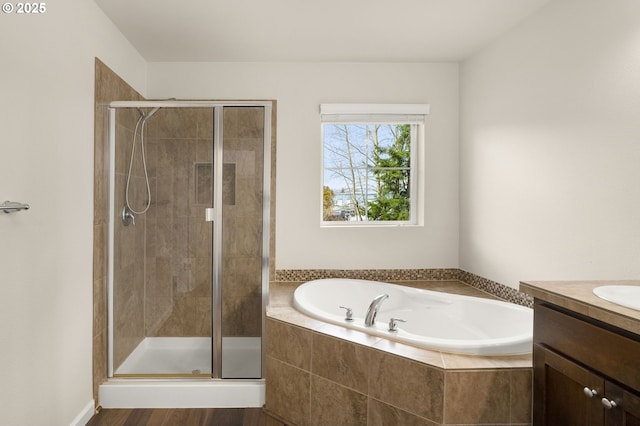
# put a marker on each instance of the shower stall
(188, 266)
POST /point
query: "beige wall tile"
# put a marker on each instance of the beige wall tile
(241, 316)
(381, 414)
(100, 257)
(100, 307)
(349, 335)
(408, 385)
(288, 391)
(466, 362)
(204, 118)
(244, 276)
(99, 361)
(270, 421)
(177, 123)
(281, 294)
(250, 123)
(294, 317)
(433, 358)
(474, 397)
(521, 396)
(332, 404)
(289, 343)
(340, 361)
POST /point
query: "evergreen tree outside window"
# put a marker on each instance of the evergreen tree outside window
(370, 164)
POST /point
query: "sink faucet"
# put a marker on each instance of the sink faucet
(370, 318)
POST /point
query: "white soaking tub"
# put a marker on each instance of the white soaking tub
(433, 320)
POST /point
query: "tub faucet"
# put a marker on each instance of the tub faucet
(370, 318)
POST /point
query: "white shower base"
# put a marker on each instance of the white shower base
(169, 355)
(140, 385)
(180, 356)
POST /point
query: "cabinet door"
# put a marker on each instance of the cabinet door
(564, 392)
(626, 411)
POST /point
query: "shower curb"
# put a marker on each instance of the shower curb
(197, 393)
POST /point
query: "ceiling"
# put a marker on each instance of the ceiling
(305, 30)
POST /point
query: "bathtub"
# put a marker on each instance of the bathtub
(434, 320)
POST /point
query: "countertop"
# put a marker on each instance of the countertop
(578, 296)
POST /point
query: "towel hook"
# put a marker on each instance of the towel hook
(12, 206)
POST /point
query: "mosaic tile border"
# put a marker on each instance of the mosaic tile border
(496, 289)
(368, 274)
(501, 291)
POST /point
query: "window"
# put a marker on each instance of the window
(371, 164)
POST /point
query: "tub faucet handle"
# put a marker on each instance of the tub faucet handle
(393, 324)
(349, 314)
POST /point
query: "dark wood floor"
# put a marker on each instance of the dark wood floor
(180, 417)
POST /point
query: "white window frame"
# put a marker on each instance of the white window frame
(413, 114)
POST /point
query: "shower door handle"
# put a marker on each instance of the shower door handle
(209, 214)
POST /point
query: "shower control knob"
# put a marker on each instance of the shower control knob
(127, 216)
(349, 314)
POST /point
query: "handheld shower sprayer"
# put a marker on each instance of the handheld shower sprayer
(128, 212)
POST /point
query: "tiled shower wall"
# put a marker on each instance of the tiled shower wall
(129, 243)
(178, 240)
(242, 221)
(108, 87)
(163, 274)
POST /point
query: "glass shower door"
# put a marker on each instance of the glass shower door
(240, 271)
(188, 275)
(162, 256)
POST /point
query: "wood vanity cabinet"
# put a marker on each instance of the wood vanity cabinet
(585, 371)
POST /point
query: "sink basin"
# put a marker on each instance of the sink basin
(623, 295)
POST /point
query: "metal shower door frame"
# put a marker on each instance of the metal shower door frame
(216, 276)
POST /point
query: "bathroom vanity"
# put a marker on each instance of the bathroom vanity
(586, 356)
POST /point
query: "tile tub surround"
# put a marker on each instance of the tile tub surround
(318, 373)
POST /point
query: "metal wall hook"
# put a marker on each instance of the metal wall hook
(12, 206)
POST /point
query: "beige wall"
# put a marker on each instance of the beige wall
(549, 148)
(46, 160)
(547, 157)
(299, 89)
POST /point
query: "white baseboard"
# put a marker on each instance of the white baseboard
(85, 415)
